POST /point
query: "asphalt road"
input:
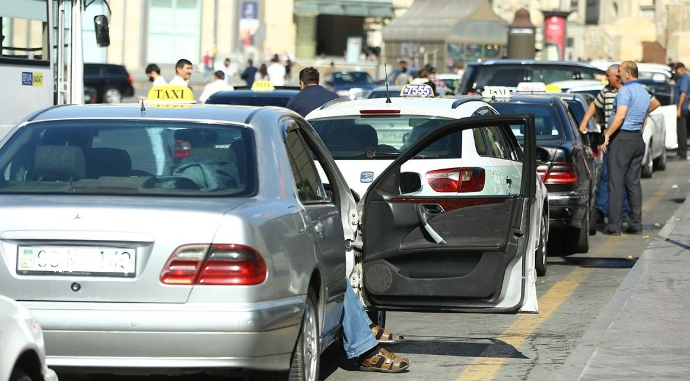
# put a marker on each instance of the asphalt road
(509, 347)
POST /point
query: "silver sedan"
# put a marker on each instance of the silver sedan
(203, 237)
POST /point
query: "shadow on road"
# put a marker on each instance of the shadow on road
(596, 262)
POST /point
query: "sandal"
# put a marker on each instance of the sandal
(384, 362)
(384, 336)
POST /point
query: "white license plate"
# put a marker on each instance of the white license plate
(76, 260)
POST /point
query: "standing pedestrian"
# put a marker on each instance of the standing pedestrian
(263, 72)
(288, 70)
(153, 72)
(604, 101)
(249, 73)
(682, 94)
(276, 72)
(227, 70)
(623, 139)
(312, 95)
(183, 72)
(218, 84)
(403, 78)
(207, 66)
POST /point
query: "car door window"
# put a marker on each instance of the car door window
(497, 145)
(550, 75)
(308, 184)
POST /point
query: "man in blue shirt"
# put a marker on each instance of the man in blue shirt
(682, 93)
(312, 95)
(249, 73)
(623, 137)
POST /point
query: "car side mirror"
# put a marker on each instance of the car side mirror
(102, 32)
(410, 182)
(595, 139)
(543, 155)
(405, 137)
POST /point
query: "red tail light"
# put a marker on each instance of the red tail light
(130, 79)
(595, 151)
(472, 92)
(460, 180)
(181, 149)
(217, 264)
(377, 112)
(561, 173)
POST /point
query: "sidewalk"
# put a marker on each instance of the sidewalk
(644, 331)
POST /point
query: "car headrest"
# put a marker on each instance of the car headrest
(222, 155)
(363, 136)
(107, 161)
(545, 128)
(197, 137)
(58, 163)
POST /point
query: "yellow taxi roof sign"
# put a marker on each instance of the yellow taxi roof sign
(171, 93)
(553, 88)
(262, 86)
(417, 90)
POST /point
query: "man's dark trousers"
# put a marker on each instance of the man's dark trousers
(682, 131)
(625, 167)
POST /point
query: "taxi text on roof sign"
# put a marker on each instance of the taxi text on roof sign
(531, 87)
(497, 92)
(262, 86)
(171, 93)
(417, 90)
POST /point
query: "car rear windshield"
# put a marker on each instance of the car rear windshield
(352, 78)
(546, 121)
(349, 138)
(125, 157)
(263, 100)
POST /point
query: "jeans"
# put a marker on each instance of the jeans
(682, 132)
(157, 144)
(625, 168)
(358, 337)
(603, 191)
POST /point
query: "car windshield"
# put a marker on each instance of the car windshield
(351, 78)
(546, 121)
(263, 100)
(129, 158)
(349, 138)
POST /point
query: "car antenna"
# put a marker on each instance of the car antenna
(143, 109)
(388, 95)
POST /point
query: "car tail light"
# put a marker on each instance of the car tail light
(181, 149)
(595, 151)
(378, 112)
(473, 92)
(561, 173)
(130, 79)
(215, 264)
(456, 180)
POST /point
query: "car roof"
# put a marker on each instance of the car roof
(532, 61)
(246, 93)
(448, 107)
(235, 114)
(390, 88)
(540, 98)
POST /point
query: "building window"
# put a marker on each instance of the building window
(174, 30)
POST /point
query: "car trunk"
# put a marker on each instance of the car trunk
(100, 249)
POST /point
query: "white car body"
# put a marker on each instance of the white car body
(354, 170)
(658, 71)
(22, 351)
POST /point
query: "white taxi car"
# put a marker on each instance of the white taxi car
(365, 136)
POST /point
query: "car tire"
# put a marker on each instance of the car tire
(540, 254)
(648, 168)
(593, 223)
(660, 163)
(579, 239)
(19, 375)
(377, 317)
(112, 95)
(306, 358)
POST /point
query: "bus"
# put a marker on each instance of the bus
(41, 59)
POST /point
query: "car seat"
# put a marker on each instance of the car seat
(57, 163)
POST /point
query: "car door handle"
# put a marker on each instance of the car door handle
(319, 228)
(422, 214)
(433, 209)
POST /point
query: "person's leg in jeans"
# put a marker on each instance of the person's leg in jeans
(603, 193)
(633, 185)
(156, 138)
(682, 131)
(359, 341)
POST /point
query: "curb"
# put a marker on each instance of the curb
(577, 362)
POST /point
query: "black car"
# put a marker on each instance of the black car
(350, 84)
(569, 171)
(510, 72)
(277, 97)
(112, 82)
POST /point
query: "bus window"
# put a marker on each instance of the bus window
(24, 30)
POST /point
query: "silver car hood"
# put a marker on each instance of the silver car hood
(153, 226)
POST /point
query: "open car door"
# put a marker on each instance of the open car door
(434, 242)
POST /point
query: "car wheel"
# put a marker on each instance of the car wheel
(19, 375)
(593, 223)
(540, 254)
(304, 365)
(648, 167)
(112, 95)
(579, 240)
(660, 163)
(377, 317)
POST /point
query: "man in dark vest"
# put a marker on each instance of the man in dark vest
(312, 95)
